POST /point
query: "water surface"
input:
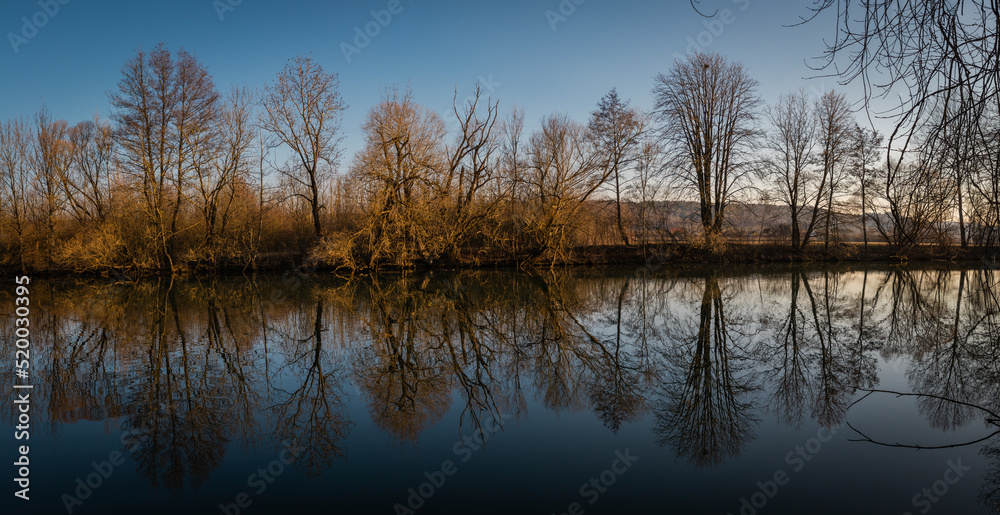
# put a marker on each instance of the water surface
(648, 390)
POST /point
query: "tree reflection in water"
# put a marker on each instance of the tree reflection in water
(198, 367)
(707, 411)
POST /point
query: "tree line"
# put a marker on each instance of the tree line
(186, 176)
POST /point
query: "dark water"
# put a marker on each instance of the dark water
(630, 391)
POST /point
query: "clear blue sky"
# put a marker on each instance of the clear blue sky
(75, 59)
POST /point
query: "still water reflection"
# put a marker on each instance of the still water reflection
(625, 391)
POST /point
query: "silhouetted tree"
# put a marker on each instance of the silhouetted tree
(707, 109)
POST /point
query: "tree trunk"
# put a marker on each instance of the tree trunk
(618, 204)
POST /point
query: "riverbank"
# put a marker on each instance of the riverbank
(592, 255)
(751, 253)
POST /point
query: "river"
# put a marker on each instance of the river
(633, 390)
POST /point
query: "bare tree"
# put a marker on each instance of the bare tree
(399, 169)
(984, 181)
(917, 196)
(792, 142)
(195, 119)
(864, 148)
(937, 59)
(471, 168)
(563, 172)
(617, 128)
(834, 118)
(165, 111)
(88, 184)
(225, 167)
(929, 50)
(303, 111)
(647, 187)
(51, 160)
(958, 143)
(707, 110)
(144, 103)
(512, 168)
(16, 173)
